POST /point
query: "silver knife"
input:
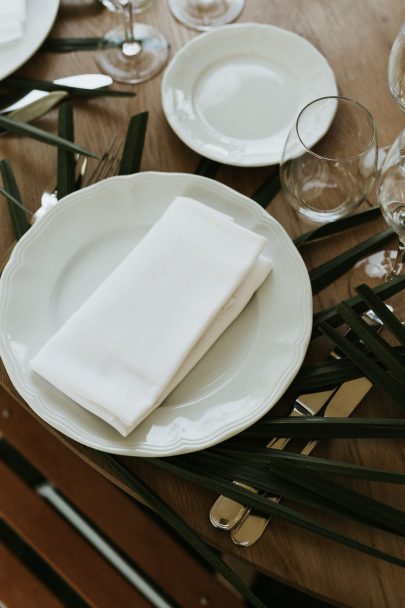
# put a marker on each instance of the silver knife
(79, 81)
(226, 513)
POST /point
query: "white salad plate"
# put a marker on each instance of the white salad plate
(233, 93)
(39, 19)
(62, 259)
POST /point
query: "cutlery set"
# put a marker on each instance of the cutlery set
(107, 166)
(36, 103)
(79, 81)
(246, 526)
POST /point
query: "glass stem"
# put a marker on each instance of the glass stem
(130, 46)
(399, 259)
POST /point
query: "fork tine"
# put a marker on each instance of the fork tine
(110, 163)
(118, 159)
(109, 166)
(98, 170)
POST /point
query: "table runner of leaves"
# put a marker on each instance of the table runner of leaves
(272, 472)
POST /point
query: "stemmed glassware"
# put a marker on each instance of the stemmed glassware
(206, 14)
(385, 265)
(396, 69)
(326, 177)
(133, 52)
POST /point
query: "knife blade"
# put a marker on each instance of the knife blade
(79, 81)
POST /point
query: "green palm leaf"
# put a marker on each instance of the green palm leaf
(261, 456)
(267, 190)
(69, 45)
(134, 144)
(27, 84)
(261, 504)
(264, 477)
(357, 219)
(389, 319)
(137, 485)
(391, 385)
(332, 317)
(207, 167)
(66, 160)
(326, 428)
(21, 128)
(15, 206)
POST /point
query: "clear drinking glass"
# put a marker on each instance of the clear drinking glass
(206, 14)
(133, 52)
(326, 176)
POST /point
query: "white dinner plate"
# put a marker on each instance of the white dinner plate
(232, 94)
(39, 20)
(62, 259)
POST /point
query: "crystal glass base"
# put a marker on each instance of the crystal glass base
(205, 14)
(134, 62)
(374, 270)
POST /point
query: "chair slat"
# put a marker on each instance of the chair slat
(62, 547)
(120, 518)
(19, 587)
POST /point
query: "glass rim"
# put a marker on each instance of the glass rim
(339, 98)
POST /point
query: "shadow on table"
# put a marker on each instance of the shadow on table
(276, 593)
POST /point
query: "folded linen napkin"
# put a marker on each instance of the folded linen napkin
(143, 329)
(12, 17)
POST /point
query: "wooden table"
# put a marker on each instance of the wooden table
(355, 37)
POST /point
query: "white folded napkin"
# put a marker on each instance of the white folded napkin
(137, 336)
(12, 18)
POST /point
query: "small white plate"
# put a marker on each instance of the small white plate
(63, 258)
(39, 20)
(232, 94)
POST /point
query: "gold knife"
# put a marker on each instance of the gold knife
(343, 403)
(226, 513)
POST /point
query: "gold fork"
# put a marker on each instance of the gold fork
(108, 164)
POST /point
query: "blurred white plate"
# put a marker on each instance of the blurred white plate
(39, 20)
(64, 257)
(233, 93)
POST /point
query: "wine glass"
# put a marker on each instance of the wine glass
(387, 264)
(326, 177)
(396, 69)
(133, 52)
(206, 14)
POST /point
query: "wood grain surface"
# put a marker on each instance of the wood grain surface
(355, 36)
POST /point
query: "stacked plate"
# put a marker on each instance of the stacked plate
(239, 379)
